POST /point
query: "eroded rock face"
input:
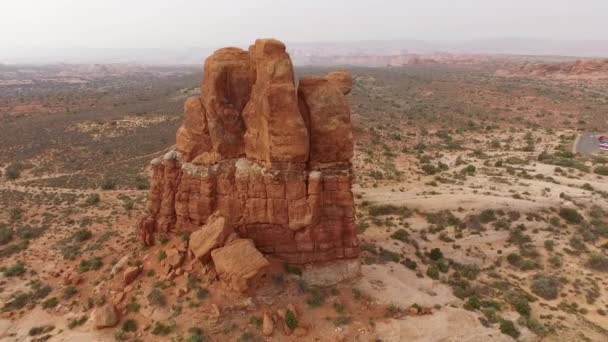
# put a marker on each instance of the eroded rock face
(271, 158)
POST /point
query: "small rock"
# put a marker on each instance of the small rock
(118, 298)
(120, 264)
(181, 291)
(105, 316)
(130, 274)
(71, 279)
(412, 311)
(282, 313)
(267, 325)
(300, 332)
(174, 257)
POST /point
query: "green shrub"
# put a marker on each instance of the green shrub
(292, 269)
(6, 234)
(92, 264)
(161, 329)
(15, 270)
(77, 322)
(92, 199)
(141, 183)
(570, 215)
(50, 303)
(129, 325)
(15, 214)
(291, 320)
(156, 297)
(432, 272)
(598, 262)
(401, 235)
(196, 335)
(13, 171)
(108, 184)
(436, 254)
(487, 215)
(69, 292)
(546, 287)
(82, 235)
(507, 327)
(389, 209)
(601, 170)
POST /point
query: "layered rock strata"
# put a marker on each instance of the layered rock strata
(270, 157)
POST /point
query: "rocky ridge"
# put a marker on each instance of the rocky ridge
(269, 157)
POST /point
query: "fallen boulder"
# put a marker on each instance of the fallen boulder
(105, 316)
(211, 236)
(237, 263)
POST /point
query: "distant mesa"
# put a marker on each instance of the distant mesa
(269, 156)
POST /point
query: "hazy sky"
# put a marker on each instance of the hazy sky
(189, 23)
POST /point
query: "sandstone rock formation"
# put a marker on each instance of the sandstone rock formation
(270, 157)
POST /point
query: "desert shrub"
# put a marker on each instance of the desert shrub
(41, 330)
(156, 297)
(545, 286)
(92, 199)
(82, 235)
(443, 218)
(196, 335)
(400, 234)
(202, 293)
(315, 297)
(162, 255)
(570, 215)
(436, 254)
(487, 215)
(6, 234)
(50, 303)
(30, 233)
(73, 323)
(519, 301)
(92, 264)
(69, 292)
(291, 320)
(601, 170)
(129, 325)
(432, 272)
(141, 183)
(470, 271)
(292, 269)
(15, 270)
(555, 261)
(409, 263)
(15, 214)
(13, 171)
(108, 184)
(598, 262)
(469, 170)
(162, 329)
(507, 327)
(389, 209)
(133, 306)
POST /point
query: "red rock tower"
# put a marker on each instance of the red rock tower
(270, 157)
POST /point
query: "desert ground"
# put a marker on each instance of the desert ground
(477, 221)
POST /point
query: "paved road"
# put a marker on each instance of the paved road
(587, 143)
